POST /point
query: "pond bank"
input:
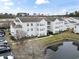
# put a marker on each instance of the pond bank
(34, 48)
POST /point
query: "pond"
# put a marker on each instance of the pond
(64, 50)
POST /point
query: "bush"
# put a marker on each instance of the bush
(9, 33)
(12, 38)
(41, 36)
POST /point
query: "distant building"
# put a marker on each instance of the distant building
(22, 14)
(76, 28)
(5, 23)
(71, 22)
(76, 19)
(56, 25)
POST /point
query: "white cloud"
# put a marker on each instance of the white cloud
(39, 2)
(59, 12)
(8, 3)
(6, 7)
(5, 0)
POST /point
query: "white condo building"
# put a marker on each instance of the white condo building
(56, 25)
(29, 26)
(76, 28)
(41, 26)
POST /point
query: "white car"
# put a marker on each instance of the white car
(7, 57)
(10, 57)
(1, 57)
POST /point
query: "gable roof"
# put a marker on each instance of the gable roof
(38, 19)
(76, 18)
(31, 19)
(71, 21)
(16, 26)
(60, 19)
(77, 24)
(54, 18)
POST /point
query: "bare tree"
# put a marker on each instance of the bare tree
(20, 34)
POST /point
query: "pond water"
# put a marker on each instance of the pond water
(64, 50)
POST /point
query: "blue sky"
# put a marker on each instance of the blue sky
(39, 6)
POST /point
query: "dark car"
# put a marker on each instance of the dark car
(2, 33)
(4, 49)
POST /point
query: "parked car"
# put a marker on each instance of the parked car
(10, 57)
(2, 33)
(4, 49)
(3, 43)
(1, 57)
(2, 40)
(6, 57)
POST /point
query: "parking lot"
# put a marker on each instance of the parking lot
(4, 47)
(5, 50)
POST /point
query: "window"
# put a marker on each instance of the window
(41, 24)
(27, 24)
(27, 29)
(48, 27)
(37, 24)
(31, 24)
(42, 29)
(75, 26)
(56, 27)
(37, 29)
(48, 23)
(31, 29)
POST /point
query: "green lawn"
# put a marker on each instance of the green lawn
(58, 37)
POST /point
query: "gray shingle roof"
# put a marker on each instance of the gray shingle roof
(61, 19)
(38, 19)
(71, 21)
(51, 18)
(76, 18)
(54, 18)
(31, 19)
(77, 24)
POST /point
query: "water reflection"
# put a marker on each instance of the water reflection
(76, 43)
(64, 50)
(55, 47)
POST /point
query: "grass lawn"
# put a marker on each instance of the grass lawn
(58, 37)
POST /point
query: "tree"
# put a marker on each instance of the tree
(20, 34)
(71, 14)
(74, 14)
